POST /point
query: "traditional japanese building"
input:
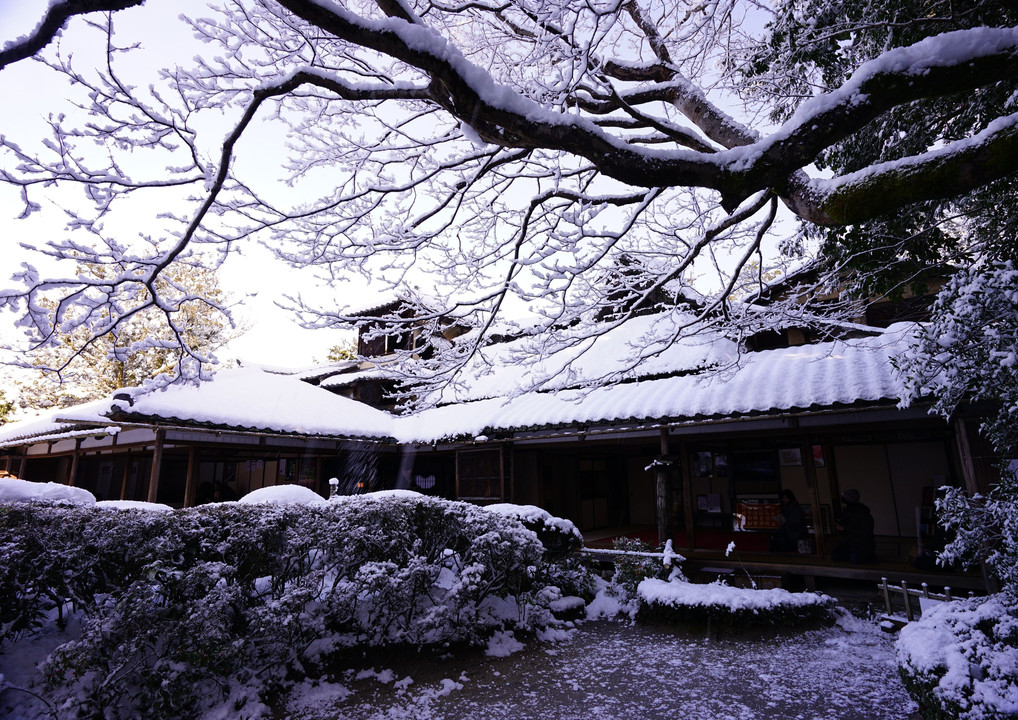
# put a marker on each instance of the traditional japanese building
(694, 442)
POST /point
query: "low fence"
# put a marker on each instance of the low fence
(921, 594)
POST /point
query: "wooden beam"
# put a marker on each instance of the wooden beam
(125, 475)
(157, 461)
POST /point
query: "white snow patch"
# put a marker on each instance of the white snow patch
(283, 495)
(16, 490)
(133, 505)
(503, 644)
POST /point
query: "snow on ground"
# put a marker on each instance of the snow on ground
(612, 670)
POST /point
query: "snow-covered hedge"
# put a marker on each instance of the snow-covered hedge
(960, 660)
(717, 605)
(190, 604)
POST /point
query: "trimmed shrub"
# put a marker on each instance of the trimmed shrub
(722, 606)
(960, 659)
(180, 608)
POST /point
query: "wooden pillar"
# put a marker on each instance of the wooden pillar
(191, 484)
(968, 467)
(663, 502)
(73, 474)
(125, 475)
(687, 495)
(814, 499)
(157, 461)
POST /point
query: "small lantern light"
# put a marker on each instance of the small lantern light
(333, 488)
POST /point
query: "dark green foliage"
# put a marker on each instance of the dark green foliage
(717, 618)
(815, 45)
(631, 570)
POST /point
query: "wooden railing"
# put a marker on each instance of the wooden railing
(907, 593)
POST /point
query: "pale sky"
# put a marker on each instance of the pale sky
(255, 279)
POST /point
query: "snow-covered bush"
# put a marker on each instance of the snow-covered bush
(558, 535)
(719, 605)
(985, 529)
(960, 660)
(632, 564)
(970, 352)
(187, 605)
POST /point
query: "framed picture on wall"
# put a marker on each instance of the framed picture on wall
(790, 456)
(701, 503)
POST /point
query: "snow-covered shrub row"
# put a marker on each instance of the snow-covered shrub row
(191, 604)
(718, 605)
(960, 660)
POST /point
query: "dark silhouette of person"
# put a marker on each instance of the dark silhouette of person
(856, 523)
(205, 493)
(224, 493)
(793, 524)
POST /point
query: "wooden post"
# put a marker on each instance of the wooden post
(887, 595)
(686, 478)
(73, 474)
(968, 469)
(191, 484)
(125, 475)
(663, 499)
(157, 460)
(908, 604)
(814, 500)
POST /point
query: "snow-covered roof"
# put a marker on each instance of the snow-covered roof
(836, 373)
(51, 424)
(245, 398)
(251, 398)
(638, 348)
(809, 377)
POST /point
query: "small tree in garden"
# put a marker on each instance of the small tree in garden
(6, 407)
(97, 356)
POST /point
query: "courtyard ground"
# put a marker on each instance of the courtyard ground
(617, 670)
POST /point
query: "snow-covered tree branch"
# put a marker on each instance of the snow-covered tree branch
(586, 159)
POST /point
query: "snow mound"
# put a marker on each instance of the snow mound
(15, 490)
(282, 495)
(133, 505)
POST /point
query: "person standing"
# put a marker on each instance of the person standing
(793, 524)
(856, 523)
